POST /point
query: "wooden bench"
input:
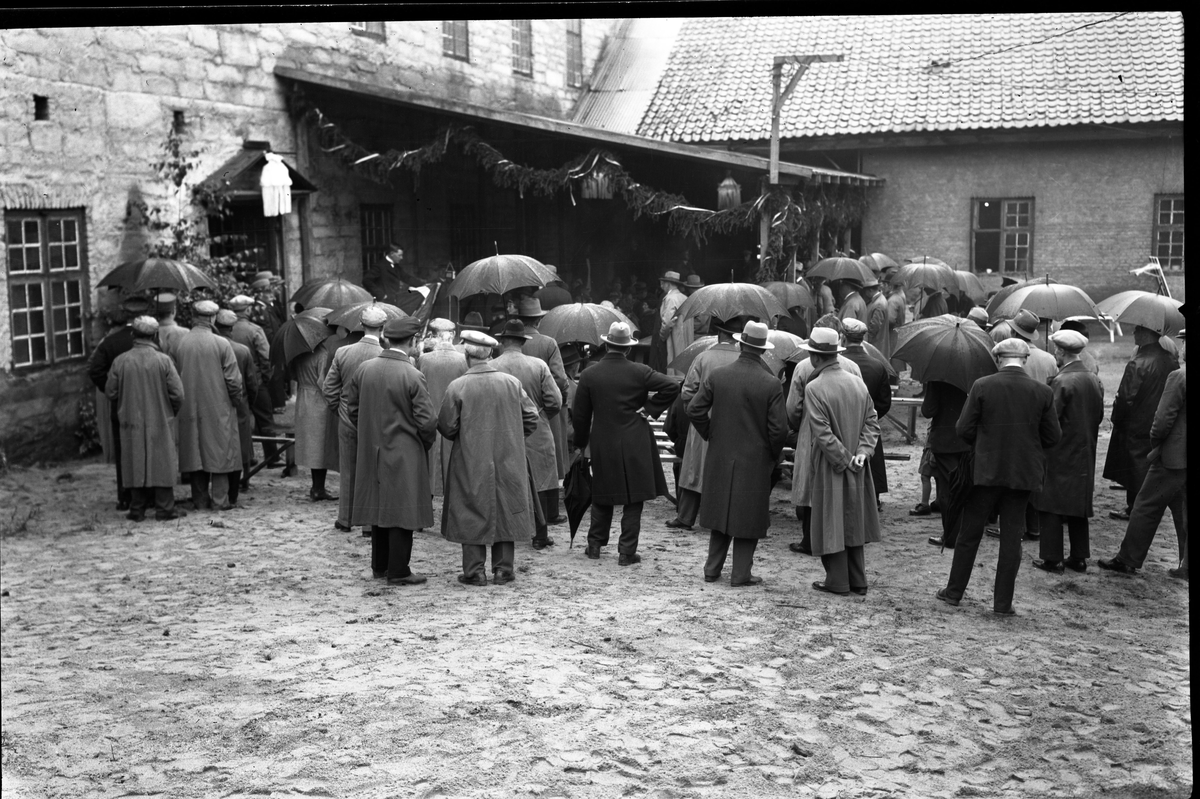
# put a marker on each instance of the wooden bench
(908, 428)
(287, 448)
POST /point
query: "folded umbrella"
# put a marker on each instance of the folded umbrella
(350, 316)
(1157, 312)
(302, 333)
(577, 491)
(330, 293)
(946, 348)
(499, 274)
(842, 268)
(580, 322)
(157, 273)
(727, 300)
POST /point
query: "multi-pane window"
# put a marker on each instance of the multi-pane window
(522, 46)
(1002, 235)
(575, 52)
(372, 29)
(46, 285)
(248, 238)
(1168, 231)
(375, 222)
(454, 39)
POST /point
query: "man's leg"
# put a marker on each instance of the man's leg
(503, 557)
(718, 548)
(474, 562)
(601, 521)
(123, 496)
(837, 572)
(856, 568)
(549, 499)
(631, 528)
(1159, 490)
(137, 503)
(201, 498)
(743, 559)
(975, 513)
(400, 544)
(1050, 547)
(164, 502)
(235, 486)
(347, 464)
(1077, 531)
(264, 422)
(541, 532)
(220, 491)
(1032, 526)
(1012, 530)
(804, 514)
(380, 550)
(687, 507)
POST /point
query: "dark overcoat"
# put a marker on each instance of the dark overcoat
(879, 386)
(943, 405)
(1169, 431)
(1133, 412)
(395, 424)
(546, 349)
(245, 417)
(144, 386)
(1071, 463)
(738, 409)
(212, 391)
(441, 367)
(1010, 421)
(626, 467)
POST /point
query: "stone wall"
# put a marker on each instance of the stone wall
(1093, 204)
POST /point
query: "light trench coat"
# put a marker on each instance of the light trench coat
(316, 424)
(801, 470)
(441, 366)
(678, 336)
(539, 386)
(212, 391)
(147, 391)
(691, 470)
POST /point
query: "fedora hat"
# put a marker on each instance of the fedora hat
(694, 282)
(514, 328)
(671, 277)
(619, 335)
(823, 340)
(530, 307)
(754, 335)
(1025, 324)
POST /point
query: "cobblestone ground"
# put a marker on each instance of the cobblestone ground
(251, 653)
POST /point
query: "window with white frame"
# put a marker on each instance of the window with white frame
(1168, 231)
(47, 285)
(454, 39)
(1002, 234)
(575, 53)
(373, 30)
(522, 47)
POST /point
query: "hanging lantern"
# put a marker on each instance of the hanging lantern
(729, 193)
(596, 186)
(276, 186)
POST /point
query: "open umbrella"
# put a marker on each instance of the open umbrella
(877, 262)
(577, 492)
(946, 348)
(580, 321)
(330, 293)
(1154, 311)
(791, 295)
(350, 316)
(1006, 292)
(842, 268)
(931, 275)
(727, 300)
(499, 274)
(683, 361)
(1048, 300)
(302, 333)
(157, 273)
(969, 284)
(786, 344)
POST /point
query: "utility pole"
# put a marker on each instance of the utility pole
(778, 98)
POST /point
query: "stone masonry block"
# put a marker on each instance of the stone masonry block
(204, 37)
(224, 74)
(239, 49)
(128, 110)
(46, 137)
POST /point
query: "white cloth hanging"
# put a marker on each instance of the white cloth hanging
(276, 187)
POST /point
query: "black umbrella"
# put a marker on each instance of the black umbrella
(577, 491)
(157, 273)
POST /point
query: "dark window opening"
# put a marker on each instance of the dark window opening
(252, 242)
(375, 223)
(373, 30)
(41, 107)
(575, 53)
(178, 122)
(522, 47)
(454, 39)
(1002, 235)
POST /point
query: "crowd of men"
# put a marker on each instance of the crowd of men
(406, 412)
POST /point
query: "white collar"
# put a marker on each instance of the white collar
(368, 336)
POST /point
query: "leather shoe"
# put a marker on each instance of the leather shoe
(820, 586)
(557, 520)
(412, 579)
(502, 577)
(592, 552)
(858, 591)
(1179, 574)
(1007, 610)
(920, 509)
(1052, 566)
(135, 517)
(754, 580)
(1076, 564)
(629, 560)
(803, 550)
(936, 540)
(675, 524)
(1114, 565)
(345, 528)
(477, 579)
(379, 575)
(949, 600)
(122, 506)
(709, 578)
(321, 496)
(1119, 515)
(992, 530)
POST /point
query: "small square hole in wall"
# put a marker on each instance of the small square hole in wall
(41, 107)
(178, 122)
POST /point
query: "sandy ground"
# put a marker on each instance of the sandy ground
(251, 653)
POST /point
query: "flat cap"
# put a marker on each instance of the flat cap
(241, 301)
(373, 316)
(226, 318)
(440, 325)
(205, 308)
(1069, 340)
(399, 329)
(1011, 348)
(978, 316)
(477, 337)
(145, 325)
(855, 329)
(166, 298)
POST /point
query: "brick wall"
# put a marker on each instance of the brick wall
(1093, 204)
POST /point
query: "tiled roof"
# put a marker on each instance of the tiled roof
(920, 73)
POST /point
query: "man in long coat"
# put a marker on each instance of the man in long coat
(1009, 420)
(545, 348)
(853, 305)
(626, 469)
(689, 485)
(1071, 463)
(441, 366)
(738, 410)
(170, 333)
(801, 472)
(842, 428)
(271, 314)
(539, 386)
(394, 422)
(942, 405)
(145, 388)
(879, 386)
(316, 425)
(224, 322)
(487, 416)
(252, 335)
(345, 363)
(1133, 414)
(100, 362)
(209, 448)
(897, 312)
(677, 336)
(878, 329)
(1165, 485)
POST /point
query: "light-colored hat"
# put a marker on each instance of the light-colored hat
(373, 316)
(205, 308)
(754, 334)
(1182, 334)
(1025, 324)
(478, 337)
(823, 340)
(226, 318)
(241, 301)
(1069, 340)
(166, 300)
(264, 275)
(671, 277)
(261, 283)
(978, 316)
(619, 335)
(854, 329)
(440, 325)
(1011, 348)
(145, 325)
